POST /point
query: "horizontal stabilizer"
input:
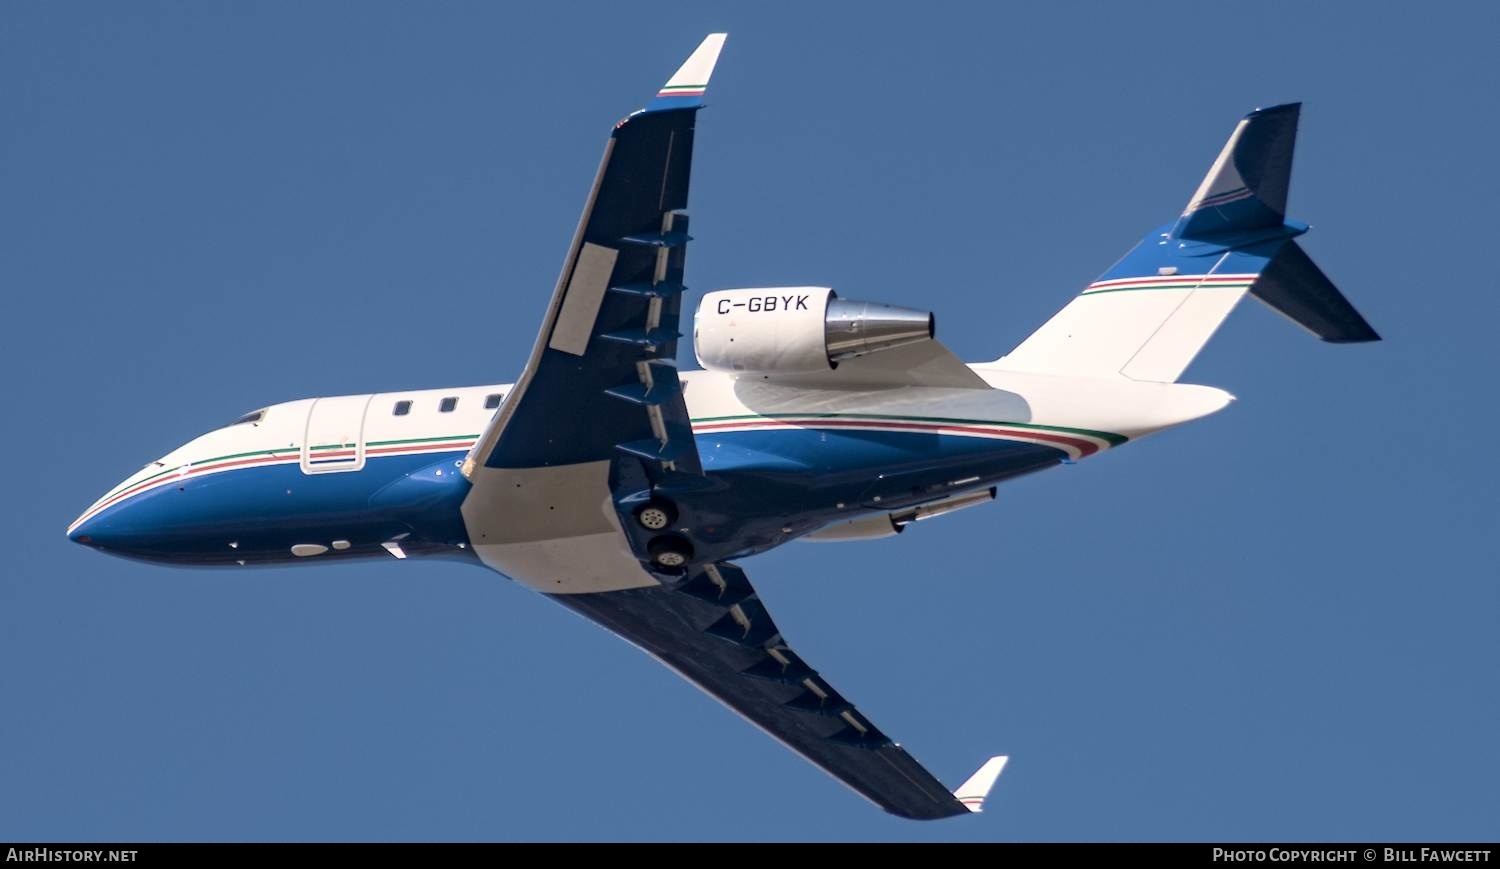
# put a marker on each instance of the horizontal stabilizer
(972, 792)
(1246, 187)
(1294, 286)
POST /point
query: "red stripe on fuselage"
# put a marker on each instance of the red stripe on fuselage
(295, 456)
(1084, 447)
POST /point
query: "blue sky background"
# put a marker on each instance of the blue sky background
(1277, 623)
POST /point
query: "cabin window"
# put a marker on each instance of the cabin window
(402, 408)
(492, 400)
(447, 404)
(252, 416)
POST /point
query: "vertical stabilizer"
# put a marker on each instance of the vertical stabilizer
(1149, 315)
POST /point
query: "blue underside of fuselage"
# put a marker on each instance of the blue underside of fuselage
(767, 487)
(776, 485)
(256, 515)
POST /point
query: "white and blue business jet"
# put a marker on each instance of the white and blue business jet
(621, 487)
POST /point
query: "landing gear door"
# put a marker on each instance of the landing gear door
(334, 440)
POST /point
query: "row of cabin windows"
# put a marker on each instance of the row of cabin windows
(449, 404)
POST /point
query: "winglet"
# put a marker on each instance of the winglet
(972, 792)
(684, 90)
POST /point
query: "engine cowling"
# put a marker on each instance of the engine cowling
(889, 524)
(797, 330)
(865, 528)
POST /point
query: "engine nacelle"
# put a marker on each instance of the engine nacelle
(890, 524)
(797, 330)
(865, 528)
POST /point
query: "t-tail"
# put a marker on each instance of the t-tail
(1150, 314)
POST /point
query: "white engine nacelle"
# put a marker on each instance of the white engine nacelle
(797, 330)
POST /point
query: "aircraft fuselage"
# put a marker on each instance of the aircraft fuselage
(379, 475)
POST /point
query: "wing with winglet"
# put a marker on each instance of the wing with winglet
(714, 631)
(598, 418)
(601, 381)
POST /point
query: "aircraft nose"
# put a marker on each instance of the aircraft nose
(109, 525)
(85, 530)
(145, 523)
(142, 518)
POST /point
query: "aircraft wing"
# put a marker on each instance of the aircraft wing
(605, 359)
(597, 421)
(601, 381)
(715, 632)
